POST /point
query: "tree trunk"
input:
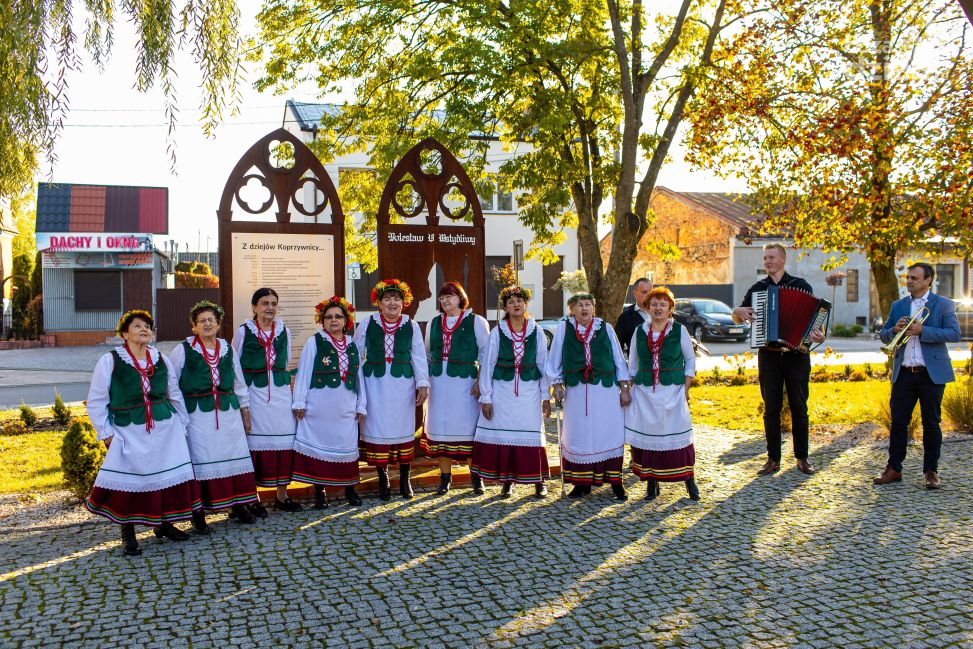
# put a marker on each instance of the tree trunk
(886, 281)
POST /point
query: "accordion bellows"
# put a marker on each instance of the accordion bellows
(786, 316)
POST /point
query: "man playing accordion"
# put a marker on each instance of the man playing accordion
(779, 368)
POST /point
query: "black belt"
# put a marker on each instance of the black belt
(915, 369)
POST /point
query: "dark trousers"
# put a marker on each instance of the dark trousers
(778, 371)
(910, 387)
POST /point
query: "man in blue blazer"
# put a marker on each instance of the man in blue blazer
(920, 372)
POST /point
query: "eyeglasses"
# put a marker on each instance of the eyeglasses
(332, 317)
(202, 321)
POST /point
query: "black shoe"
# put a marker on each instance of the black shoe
(405, 485)
(505, 490)
(199, 522)
(320, 497)
(445, 480)
(287, 505)
(540, 490)
(384, 484)
(577, 492)
(258, 510)
(618, 490)
(692, 489)
(130, 546)
(652, 490)
(242, 514)
(352, 497)
(477, 482)
(170, 531)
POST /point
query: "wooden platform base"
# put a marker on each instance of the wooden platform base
(425, 477)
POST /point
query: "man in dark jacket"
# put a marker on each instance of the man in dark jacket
(633, 315)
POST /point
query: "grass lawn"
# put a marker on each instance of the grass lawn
(832, 403)
(31, 462)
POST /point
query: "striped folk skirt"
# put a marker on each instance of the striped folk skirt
(664, 466)
(456, 450)
(221, 493)
(272, 468)
(151, 508)
(520, 464)
(594, 474)
(386, 454)
(311, 470)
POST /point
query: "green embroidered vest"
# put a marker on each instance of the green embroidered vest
(461, 361)
(375, 351)
(672, 364)
(505, 369)
(196, 381)
(326, 372)
(253, 360)
(125, 403)
(573, 361)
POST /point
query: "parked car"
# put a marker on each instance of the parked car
(708, 319)
(549, 327)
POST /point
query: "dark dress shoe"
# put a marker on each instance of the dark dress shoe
(130, 546)
(932, 480)
(577, 492)
(199, 522)
(445, 481)
(692, 489)
(805, 467)
(505, 489)
(477, 483)
(889, 475)
(287, 505)
(352, 497)
(618, 491)
(384, 484)
(652, 489)
(320, 497)
(540, 490)
(770, 466)
(258, 510)
(170, 531)
(242, 514)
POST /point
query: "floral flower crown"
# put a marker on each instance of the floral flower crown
(577, 297)
(128, 316)
(203, 305)
(335, 300)
(392, 285)
(514, 291)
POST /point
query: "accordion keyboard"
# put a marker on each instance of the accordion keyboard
(758, 328)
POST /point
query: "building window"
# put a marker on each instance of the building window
(851, 285)
(486, 198)
(945, 280)
(97, 290)
(492, 291)
(362, 290)
(505, 201)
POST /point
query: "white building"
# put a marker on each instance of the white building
(502, 225)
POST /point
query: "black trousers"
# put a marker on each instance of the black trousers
(778, 371)
(910, 387)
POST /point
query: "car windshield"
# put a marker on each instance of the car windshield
(712, 306)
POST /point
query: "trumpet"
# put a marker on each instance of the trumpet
(900, 339)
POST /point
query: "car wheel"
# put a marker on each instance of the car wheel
(698, 332)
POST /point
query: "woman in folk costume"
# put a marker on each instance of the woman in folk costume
(263, 345)
(514, 398)
(329, 402)
(396, 378)
(586, 367)
(657, 423)
(456, 340)
(135, 406)
(212, 386)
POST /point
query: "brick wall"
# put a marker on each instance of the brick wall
(78, 338)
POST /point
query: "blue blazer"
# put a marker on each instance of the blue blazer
(940, 327)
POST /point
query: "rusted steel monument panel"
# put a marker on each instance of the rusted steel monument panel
(430, 181)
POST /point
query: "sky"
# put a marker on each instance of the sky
(115, 135)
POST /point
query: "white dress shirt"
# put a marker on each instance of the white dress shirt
(913, 350)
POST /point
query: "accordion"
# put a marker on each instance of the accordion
(786, 316)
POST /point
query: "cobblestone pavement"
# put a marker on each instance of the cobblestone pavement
(789, 560)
